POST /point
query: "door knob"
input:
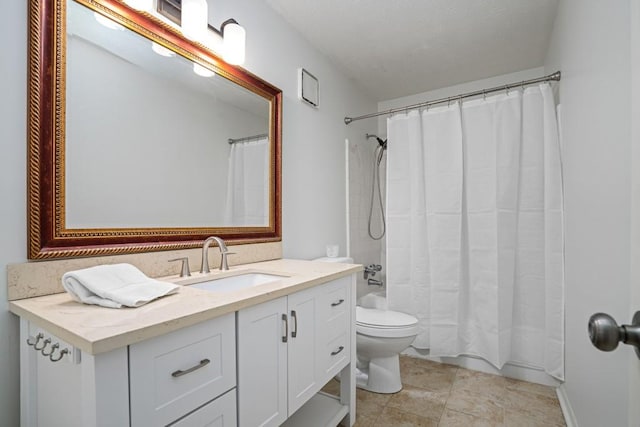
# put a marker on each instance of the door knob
(605, 333)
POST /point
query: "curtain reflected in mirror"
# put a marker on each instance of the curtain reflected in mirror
(247, 188)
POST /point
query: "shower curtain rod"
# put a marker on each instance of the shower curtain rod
(551, 77)
(247, 138)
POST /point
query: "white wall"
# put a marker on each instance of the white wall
(313, 150)
(13, 228)
(634, 374)
(590, 44)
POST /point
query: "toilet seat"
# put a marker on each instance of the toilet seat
(385, 323)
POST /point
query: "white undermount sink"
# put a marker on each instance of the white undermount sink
(236, 283)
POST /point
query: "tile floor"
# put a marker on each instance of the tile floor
(436, 394)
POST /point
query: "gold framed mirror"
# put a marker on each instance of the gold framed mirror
(117, 162)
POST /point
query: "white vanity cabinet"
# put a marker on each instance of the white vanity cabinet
(262, 365)
(186, 377)
(289, 348)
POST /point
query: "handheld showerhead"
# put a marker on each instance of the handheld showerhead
(381, 142)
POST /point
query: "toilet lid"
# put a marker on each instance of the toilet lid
(376, 318)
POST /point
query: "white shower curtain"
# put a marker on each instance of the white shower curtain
(248, 184)
(475, 228)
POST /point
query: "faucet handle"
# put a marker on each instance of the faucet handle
(185, 271)
(223, 260)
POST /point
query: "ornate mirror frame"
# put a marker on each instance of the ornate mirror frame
(47, 232)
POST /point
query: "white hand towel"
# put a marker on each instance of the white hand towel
(114, 286)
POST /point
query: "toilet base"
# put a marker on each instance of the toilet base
(380, 375)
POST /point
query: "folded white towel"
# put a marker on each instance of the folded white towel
(114, 286)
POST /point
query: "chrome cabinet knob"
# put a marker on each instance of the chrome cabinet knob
(605, 333)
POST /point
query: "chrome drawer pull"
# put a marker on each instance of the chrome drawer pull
(35, 343)
(179, 373)
(333, 353)
(294, 316)
(334, 304)
(286, 328)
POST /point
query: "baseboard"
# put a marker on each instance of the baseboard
(567, 411)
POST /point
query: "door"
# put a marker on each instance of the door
(262, 364)
(634, 368)
(303, 351)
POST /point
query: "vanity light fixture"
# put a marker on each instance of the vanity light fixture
(140, 4)
(202, 71)
(161, 50)
(233, 42)
(194, 19)
(191, 15)
(112, 25)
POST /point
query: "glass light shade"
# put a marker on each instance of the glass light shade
(233, 44)
(140, 4)
(107, 22)
(161, 50)
(202, 71)
(194, 19)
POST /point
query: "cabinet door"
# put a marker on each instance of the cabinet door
(303, 352)
(262, 364)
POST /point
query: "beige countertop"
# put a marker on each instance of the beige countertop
(96, 329)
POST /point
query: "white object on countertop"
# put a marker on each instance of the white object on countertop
(342, 259)
(333, 250)
(114, 285)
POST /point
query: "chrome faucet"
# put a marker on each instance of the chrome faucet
(224, 252)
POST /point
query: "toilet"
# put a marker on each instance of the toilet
(381, 335)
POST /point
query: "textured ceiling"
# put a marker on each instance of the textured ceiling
(395, 48)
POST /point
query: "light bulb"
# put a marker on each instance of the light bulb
(202, 71)
(233, 44)
(140, 4)
(194, 19)
(107, 22)
(161, 50)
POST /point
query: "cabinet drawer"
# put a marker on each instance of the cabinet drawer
(219, 413)
(335, 309)
(174, 374)
(335, 355)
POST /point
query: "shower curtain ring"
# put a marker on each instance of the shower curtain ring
(522, 85)
(484, 95)
(506, 88)
(449, 102)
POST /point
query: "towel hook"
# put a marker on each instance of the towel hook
(44, 344)
(53, 348)
(38, 338)
(60, 356)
